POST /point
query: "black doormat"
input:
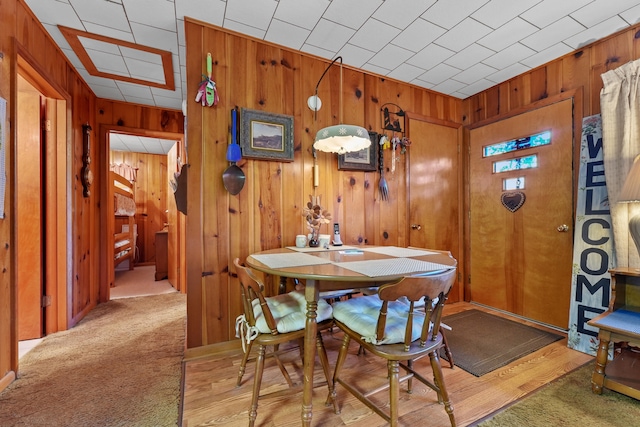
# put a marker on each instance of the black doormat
(481, 342)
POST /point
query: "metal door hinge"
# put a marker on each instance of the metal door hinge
(46, 125)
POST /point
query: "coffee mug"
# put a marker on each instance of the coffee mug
(301, 241)
(324, 240)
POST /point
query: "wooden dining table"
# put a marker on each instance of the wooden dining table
(340, 268)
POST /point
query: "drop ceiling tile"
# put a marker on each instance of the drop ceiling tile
(55, 13)
(374, 35)
(108, 62)
(107, 92)
(439, 73)
(317, 51)
(244, 29)
(73, 58)
(211, 11)
(355, 56)
(600, 10)
(109, 32)
(401, 13)
(449, 13)
(430, 56)
(508, 73)
(474, 73)
(498, 12)
(286, 34)
(512, 31)
(406, 73)
(463, 34)
(136, 100)
(132, 89)
(145, 70)
(181, 37)
(476, 87)
(596, 32)
(391, 57)
(548, 11)
(255, 14)
(165, 93)
(510, 55)
(421, 83)
(351, 13)
(99, 81)
(554, 33)
(141, 55)
(469, 56)
(99, 45)
(375, 69)
(632, 16)
(546, 55)
(163, 15)
(155, 37)
(329, 36)
(418, 35)
(96, 12)
(449, 86)
(301, 13)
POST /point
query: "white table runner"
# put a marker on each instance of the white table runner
(319, 249)
(289, 260)
(397, 251)
(391, 267)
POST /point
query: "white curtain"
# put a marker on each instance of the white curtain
(619, 103)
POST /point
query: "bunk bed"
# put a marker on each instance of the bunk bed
(124, 206)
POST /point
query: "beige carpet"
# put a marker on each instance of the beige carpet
(139, 282)
(120, 366)
(569, 402)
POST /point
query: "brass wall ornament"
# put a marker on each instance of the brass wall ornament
(513, 200)
(87, 174)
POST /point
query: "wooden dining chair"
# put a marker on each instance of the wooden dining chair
(399, 333)
(271, 321)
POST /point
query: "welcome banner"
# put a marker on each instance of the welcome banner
(593, 250)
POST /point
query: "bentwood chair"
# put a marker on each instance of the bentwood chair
(399, 333)
(271, 321)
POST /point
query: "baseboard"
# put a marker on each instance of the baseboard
(7, 379)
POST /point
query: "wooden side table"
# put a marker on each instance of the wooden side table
(620, 323)
(162, 268)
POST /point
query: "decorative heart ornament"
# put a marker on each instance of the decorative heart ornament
(513, 200)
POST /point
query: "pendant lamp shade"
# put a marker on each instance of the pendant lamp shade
(341, 138)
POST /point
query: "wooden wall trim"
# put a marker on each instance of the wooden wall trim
(7, 379)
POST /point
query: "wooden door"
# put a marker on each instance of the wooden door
(28, 218)
(521, 261)
(434, 189)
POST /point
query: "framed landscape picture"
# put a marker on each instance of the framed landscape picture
(266, 136)
(363, 160)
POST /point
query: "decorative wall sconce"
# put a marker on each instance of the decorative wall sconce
(390, 118)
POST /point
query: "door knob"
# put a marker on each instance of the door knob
(563, 228)
(416, 227)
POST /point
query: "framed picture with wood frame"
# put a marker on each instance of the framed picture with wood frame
(266, 136)
(363, 160)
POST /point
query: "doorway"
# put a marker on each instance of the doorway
(40, 203)
(521, 214)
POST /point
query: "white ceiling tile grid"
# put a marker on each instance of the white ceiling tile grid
(456, 47)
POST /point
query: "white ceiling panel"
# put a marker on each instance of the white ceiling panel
(444, 45)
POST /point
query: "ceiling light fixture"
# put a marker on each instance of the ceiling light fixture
(339, 138)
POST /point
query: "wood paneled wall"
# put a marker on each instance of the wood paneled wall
(268, 211)
(150, 196)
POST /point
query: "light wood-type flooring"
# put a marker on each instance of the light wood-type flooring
(211, 398)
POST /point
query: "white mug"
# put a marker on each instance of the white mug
(301, 241)
(324, 240)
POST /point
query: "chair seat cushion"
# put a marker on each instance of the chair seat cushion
(289, 311)
(361, 315)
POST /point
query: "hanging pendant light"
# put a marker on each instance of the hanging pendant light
(341, 138)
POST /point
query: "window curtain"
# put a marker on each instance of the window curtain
(620, 108)
(125, 170)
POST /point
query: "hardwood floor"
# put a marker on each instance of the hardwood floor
(211, 398)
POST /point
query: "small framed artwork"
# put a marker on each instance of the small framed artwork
(363, 160)
(266, 136)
